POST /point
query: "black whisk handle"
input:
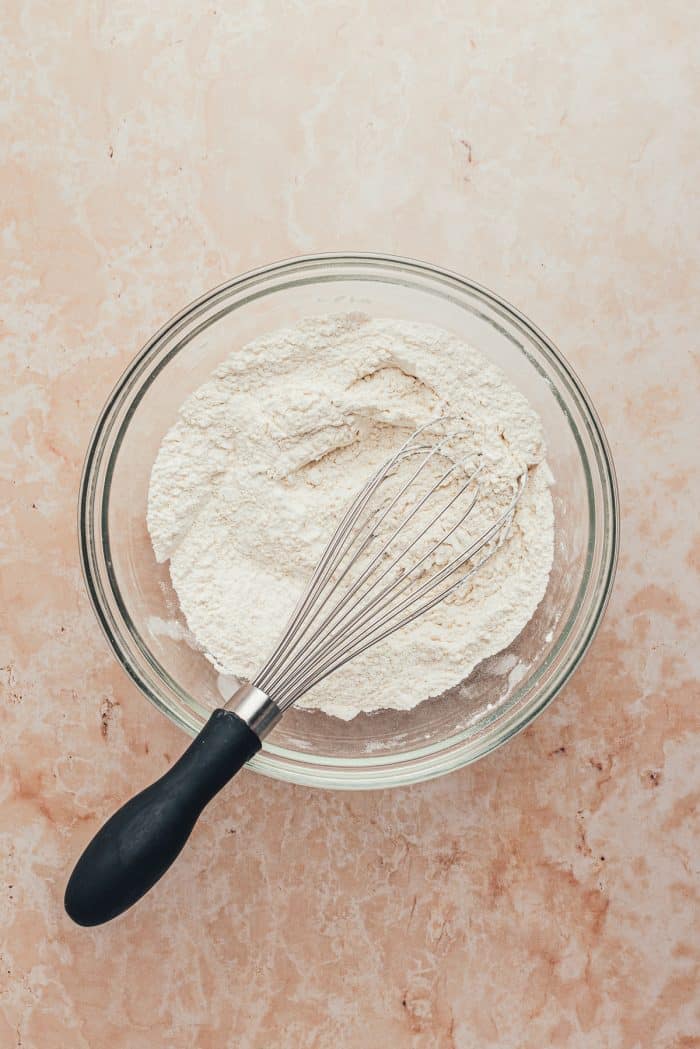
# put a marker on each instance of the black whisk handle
(141, 840)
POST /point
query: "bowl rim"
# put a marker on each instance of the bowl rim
(363, 772)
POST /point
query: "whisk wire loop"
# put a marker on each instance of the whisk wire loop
(374, 577)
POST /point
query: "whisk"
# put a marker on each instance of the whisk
(417, 532)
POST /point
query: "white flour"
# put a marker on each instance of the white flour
(249, 483)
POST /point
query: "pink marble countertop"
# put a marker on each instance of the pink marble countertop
(547, 896)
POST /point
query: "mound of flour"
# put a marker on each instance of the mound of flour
(250, 481)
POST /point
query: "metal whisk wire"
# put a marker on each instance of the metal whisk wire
(337, 618)
(371, 527)
(338, 626)
(326, 565)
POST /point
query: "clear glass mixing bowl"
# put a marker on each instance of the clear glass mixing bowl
(137, 607)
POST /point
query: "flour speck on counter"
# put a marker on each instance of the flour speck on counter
(250, 481)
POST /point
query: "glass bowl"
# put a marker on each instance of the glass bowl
(138, 609)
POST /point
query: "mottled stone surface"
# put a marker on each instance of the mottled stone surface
(546, 896)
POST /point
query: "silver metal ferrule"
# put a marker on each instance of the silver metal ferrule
(254, 707)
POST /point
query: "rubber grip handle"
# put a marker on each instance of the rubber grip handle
(141, 840)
